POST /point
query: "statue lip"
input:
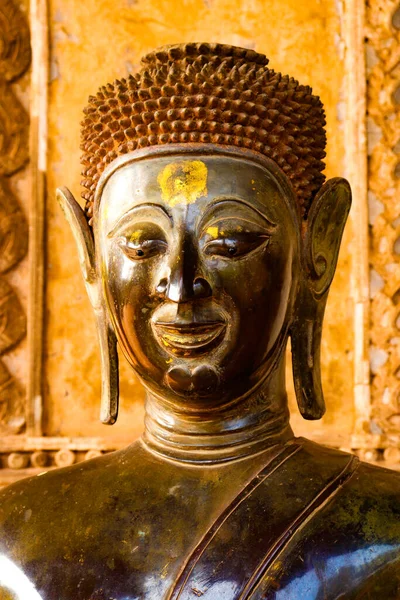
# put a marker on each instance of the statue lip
(185, 339)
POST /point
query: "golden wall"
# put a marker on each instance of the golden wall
(96, 41)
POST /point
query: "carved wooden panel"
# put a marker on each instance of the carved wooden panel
(14, 147)
(13, 229)
(15, 49)
(14, 154)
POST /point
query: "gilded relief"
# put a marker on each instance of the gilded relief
(14, 147)
(383, 44)
(13, 229)
(14, 154)
(15, 50)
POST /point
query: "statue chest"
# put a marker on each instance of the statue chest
(298, 529)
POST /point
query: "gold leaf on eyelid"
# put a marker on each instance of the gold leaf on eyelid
(212, 231)
(135, 235)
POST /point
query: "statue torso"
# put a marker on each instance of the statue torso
(298, 521)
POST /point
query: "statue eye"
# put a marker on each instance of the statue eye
(235, 246)
(141, 250)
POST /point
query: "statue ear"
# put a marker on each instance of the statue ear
(321, 243)
(108, 343)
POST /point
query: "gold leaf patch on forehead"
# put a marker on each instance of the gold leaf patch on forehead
(183, 182)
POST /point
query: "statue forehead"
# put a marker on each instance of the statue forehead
(181, 180)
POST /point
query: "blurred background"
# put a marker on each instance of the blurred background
(53, 55)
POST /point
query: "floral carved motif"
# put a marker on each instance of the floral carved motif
(15, 56)
(383, 103)
(15, 49)
(13, 229)
(14, 122)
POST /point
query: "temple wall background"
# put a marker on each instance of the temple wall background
(350, 57)
(81, 61)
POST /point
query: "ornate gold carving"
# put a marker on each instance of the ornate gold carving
(64, 458)
(15, 58)
(12, 403)
(12, 318)
(13, 229)
(14, 146)
(39, 459)
(383, 103)
(15, 50)
(18, 460)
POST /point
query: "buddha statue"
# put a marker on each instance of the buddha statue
(209, 237)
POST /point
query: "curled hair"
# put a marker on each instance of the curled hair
(211, 93)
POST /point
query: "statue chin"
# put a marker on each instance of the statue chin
(201, 381)
(199, 364)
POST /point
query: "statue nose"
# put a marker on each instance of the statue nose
(184, 282)
(177, 289)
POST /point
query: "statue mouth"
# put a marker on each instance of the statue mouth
(189, 339)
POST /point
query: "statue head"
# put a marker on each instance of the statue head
(209, 236)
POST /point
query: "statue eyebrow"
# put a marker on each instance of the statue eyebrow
(139, 207)
(228, 199)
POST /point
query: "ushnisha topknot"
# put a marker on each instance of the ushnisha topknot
(210, 93)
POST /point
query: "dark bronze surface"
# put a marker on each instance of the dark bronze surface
(296, 521)
(200, 264)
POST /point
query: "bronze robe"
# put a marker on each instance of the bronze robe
(313, 524)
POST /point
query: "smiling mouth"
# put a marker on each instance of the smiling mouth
(189, 339)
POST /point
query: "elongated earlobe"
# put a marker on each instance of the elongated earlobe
(321, 243)
(108, 343)
(109, 373)
(306, 334)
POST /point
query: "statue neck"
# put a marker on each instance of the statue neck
(247, 427)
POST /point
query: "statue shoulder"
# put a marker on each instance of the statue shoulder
(372, 499)
(54, 496)
(366, 491)
(381, 486)
(362, 518)
(347, 541)
(386, 479)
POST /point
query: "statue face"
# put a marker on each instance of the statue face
(198, 257)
